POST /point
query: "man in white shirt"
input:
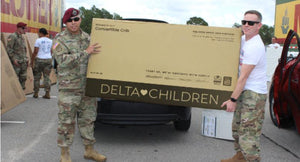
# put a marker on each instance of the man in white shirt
(274, 43)
(42, 60)
(249, 96)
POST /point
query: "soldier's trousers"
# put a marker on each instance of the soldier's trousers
(74, 105)
(21, 72)
(42, 67)
(247, 124)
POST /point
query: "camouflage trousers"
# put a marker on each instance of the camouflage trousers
(21, 72)
(247, 124)
(42, 67)
(73, 104)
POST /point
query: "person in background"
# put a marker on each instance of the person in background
(71, 49)
(16, 50)
(249, 96)
(274, 43)
(41, 62)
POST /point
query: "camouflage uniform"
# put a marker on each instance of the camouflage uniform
(16, 50)
(69, 52)
(42, 67)
(247, 124)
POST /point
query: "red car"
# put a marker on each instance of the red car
(284, 95)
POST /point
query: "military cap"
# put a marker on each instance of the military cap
(21, 24)
(71, 12)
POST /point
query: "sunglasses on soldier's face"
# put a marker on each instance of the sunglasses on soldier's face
(75, 19)
(251, 23)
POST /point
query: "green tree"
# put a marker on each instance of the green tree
(236, 25)
(266, 32)
(94, 12)
(197, 21)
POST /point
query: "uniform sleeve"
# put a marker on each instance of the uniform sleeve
(10, 47)
(64, 57)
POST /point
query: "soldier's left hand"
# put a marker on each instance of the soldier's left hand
(230, 106)
(95, 48)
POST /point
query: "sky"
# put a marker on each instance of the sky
(219, 13)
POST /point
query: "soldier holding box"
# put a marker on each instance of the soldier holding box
(71, 50)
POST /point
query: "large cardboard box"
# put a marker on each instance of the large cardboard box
(183, 65)
(12, 93)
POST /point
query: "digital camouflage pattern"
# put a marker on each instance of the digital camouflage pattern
(247, 124)
(16, 50)
(68, 51)
(42, 67)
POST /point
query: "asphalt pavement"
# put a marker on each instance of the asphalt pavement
(28, 134)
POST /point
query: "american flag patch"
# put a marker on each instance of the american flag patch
(55, 45)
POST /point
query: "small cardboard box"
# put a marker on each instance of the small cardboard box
(182, 65)
(12, 93)
(217, 124)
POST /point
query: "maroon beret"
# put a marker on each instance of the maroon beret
(71, 12)
(21, 24)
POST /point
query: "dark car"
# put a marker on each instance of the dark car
(136, 113)
(284, 95)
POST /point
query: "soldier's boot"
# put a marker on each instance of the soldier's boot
(238, 157)
(65, 155)
(92, 154)
(36, 95)
(47, 95)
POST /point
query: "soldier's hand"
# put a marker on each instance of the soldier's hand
(16, 63)
(230, 106)
(95, 48)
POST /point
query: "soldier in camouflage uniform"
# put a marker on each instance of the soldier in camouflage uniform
(16, 50)
(41, 62)
(71, 50)
(249, 96)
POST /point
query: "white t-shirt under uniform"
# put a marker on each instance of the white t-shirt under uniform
(44, 44)
(253, 53)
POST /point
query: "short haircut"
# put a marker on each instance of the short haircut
(43, 31)
(258, 14)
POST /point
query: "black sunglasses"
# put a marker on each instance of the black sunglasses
(75, 19)
(251, 23)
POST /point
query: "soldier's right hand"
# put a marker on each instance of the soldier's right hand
(95, 48)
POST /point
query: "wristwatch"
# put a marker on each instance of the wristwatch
(233, 99)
